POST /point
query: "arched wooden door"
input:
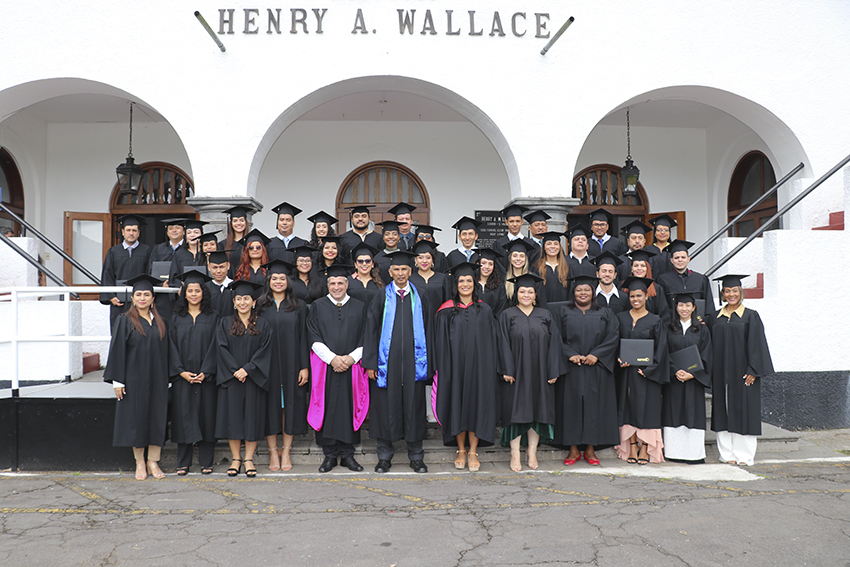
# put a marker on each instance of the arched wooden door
(11, 191)
(382, 184)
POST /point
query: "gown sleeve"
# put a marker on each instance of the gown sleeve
(557, 364)
(606, 351)
(107, 276)
(759, 362)
(226, 363)
(372, 333)
(175, 361)
(304, 354)
(259, 367)
(659, 370)
(705, 353)
(116, 364)
(508, 366)
(209, 365)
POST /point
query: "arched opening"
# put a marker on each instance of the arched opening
(601, 186)
(382, 184)
(11, 191)
(752, 177)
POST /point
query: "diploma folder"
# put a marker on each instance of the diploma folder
(637, 352)
(160, 270)
(687, 359)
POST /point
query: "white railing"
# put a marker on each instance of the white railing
(15, 294)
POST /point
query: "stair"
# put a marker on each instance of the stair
(758, 291)
(836, 222)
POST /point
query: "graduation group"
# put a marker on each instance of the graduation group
(591, 343)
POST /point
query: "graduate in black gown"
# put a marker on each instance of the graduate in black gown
(467, 367)
(124, 261)
(282, 244)
(639, 387)
(389, 244)
(532, 361)
(683, 412)
(491, 286)
(683, 280)
(553, 268)
(254, 255)
(360, 230)
(237, 229)
(307, 284)
(661, 236)
(165, 252)
(467, 233)
(600, 225)
(404, 218)
(635, 233)
(365, 283)
(741, 360)
(190, 253)
(587, 394)
(513, 221)
(192, 362)
(579, 260)
(137, 367)
(339, 397)
(433, 284)
(519, 263)
(326, 256)
(426, 232)
(221, 296)
(656, 298)
(396, 357)
(290, 369)
(323, 228)
(608, 294)
(244, 343)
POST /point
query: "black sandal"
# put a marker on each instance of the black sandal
(182, 471)
(633, 460)
(233, 471)
(641, 461)
(250, 473)
(206, 470)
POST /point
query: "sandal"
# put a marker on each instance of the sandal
(154, 470)
(460, 462)
(473, 467)
(233, 470)
(633, 460)
(644, 461)
(141, 470)
(274, 464)
(182, 471)
(252, 472)
(283, 466)
(206, 470)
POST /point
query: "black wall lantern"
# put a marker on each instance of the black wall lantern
(630, 174)
(129, 174)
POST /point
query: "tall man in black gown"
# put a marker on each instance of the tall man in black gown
(335, 328)
(467, 231)
(280, 248)
(600, 223)
(513, 220)
(396, 359)
(607, 293)
(124, 261)
(404, 217)
(635, 233)
(682, 280)
(221, 296)
(165, 252)
(360, 231)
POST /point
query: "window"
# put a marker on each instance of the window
(752, 177)
(600, 186)
(382, 184)
(11, 191)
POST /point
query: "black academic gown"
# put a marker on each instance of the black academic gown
(350, 239)
(613, 245)
(182, 258)
(684, 402)
(163, 252)
(496, 298)
(406, 241)
(531, 353)
(290, 353)
(277, 250)
(466, 360)
(552, 288)
(221, 299)
(690, 281)
(363, 294)
(383, 261)
(120, 265)
(657, 304)
(341, 330)
(241, 409)
(192, 348)
(455, 257)
(437, 288)
(739, 347)
(256, 276)
(235, 256)
(583, 268)
(587, 394)
(639, 397)
(617, 303)
(305, 293)
(397, 411)
(661, 263)
(140, 362)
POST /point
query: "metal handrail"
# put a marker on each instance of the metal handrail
(50, 243)
(791, 204)
(22, 253)
(769, 193)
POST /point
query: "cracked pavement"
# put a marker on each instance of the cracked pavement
(787, 513)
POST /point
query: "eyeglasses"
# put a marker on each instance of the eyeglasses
(364, 260)
(304, 261)
(598, 223)
(255, 248)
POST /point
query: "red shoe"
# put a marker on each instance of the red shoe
(568, 461)
(591, 460)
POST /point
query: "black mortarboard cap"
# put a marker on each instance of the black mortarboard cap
(684, 296)
(322, 216)
(551, 235)
(172, 221)
(144, 282)
(514, 211)
(634, 283)
(402, 209)
(193, 223)
(600, 215)
(195, 276)
(519, 245)
(525, 280)
(388, 225)
(401, 258)
(582, 279)
(424, 246)
(219, 256)
(334, 239)
(131, 220)
(286, 209)
(663, 220)
(463, 269)
(466, 223)
(200, 269)
(278, 266)
(359, 209)
(340, 270)
(303, 251)
(606, 257)
(426, 229)
(578, 230)
(208, 237)
(487, 253)
(255, 236)
(731, 280)
(679, 246)
(245, 287)
(635, 227)
(535, 216)
(238, 211)
(643, 255)
(361, 249)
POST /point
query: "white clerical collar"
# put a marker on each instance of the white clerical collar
(513, 237)
(614, 291)
(226, 282)
(126, 247)
(405, 289)
(339, 303)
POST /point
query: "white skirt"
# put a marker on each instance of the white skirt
(684, 444)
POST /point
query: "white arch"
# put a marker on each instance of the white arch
(409, 85)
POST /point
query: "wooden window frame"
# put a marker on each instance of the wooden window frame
(736, 187)
(378, 213)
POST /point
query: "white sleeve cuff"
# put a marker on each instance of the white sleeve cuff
(357, 354)
(323, 352)
(117, 384)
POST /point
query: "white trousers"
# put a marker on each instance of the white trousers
(736, 447)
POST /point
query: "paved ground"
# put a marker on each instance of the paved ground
(789, 509)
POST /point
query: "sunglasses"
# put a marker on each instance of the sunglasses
(364, 261)
(255, 248)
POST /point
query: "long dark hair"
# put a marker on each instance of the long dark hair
(676, 323)
(134, 317)
(494, 280)
(244, 271)
(237, 329)
(231, 235)
(182, 307)
(315, 240)
(290, 302)
(476, 302)
(314, 285)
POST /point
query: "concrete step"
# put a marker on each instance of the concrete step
(836, 222)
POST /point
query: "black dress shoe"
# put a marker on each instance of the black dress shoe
(328, 464)
(383, 466)
(418, 466)
(351, 464)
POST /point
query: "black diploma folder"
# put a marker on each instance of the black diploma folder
(687, 359)
(637, 352)
(160, 270)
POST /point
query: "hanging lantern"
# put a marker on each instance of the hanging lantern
(630, 174)
(129, 174)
